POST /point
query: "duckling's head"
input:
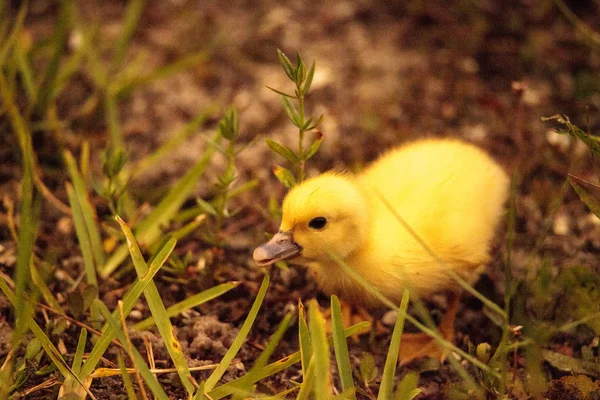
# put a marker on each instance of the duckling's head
(323, 215)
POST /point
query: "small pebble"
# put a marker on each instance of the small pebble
(389, 318)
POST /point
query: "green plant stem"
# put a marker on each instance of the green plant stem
(301, 136)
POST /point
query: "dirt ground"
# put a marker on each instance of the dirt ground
(387, 72)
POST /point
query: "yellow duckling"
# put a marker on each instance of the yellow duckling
(449, 192)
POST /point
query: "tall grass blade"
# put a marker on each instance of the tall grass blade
(7, 43)
(87, 210)
(126, 378)
(49, 79)
(133, 14)
(307, 381)
(304, 338)
(430, 332)
(82, 236)
(239, 339)
(26, 234)
(592, 203)
(386, 389)
(158, 310)
(263, 358)
(463, 284)
(140, 364)
(166, 148)
(322, 387)
(39, 333)
(340, 346)
(190, 302)
(273, 368)
(129, 301)
(151, 228)
(125, 86)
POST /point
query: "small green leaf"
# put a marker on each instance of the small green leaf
(283, 151)
(291, 111)
(368, 369)
(282, 93)
(314, 146)
(592, 203)
(316, 124)
(285, 62)
(300, 71)
(407, 387)
(229, 126)
(309, 79)
(284, 176)
(570, 364)
(206, 207)
(33, 348)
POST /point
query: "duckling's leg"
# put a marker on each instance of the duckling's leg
(417, 345)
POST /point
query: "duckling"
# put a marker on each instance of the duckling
(449, 192)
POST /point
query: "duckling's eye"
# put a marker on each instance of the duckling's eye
(317, 223)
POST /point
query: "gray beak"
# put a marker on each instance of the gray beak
(280, 247)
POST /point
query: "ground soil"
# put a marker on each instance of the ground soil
(387, 72)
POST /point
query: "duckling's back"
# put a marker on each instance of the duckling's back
(450, 193)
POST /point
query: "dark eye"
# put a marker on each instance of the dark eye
(317, 223)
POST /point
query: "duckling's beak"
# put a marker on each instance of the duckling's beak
(280, 247)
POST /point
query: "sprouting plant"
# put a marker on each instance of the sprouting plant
(593, 143)
(218, 207)
(303, 80)
(112, 188)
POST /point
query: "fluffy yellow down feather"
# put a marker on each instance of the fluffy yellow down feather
(450, 193)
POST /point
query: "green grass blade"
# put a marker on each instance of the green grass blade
(140, 364)
(592, 203)
(407, 387)
(133, 13)
(88, 213)
(240, 338)
(126, 378)
(129, 301)
(273, 368)
(8, 42)
(283, 394)
(490, 304)
(26, 234)
(263, 358)
(158, 310)
(82, 236)
(190, 302)
(39, 333)
(307, 382)
(150, 229)
(274, 341)
(304, 338)
(430, 332)
(49, 79)
(78, 358)
(25, 71)
(166, 148)
(318, 339)
(341, 347)
(113, 120)
(38, 281)
(126, 85)
(386, 389)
